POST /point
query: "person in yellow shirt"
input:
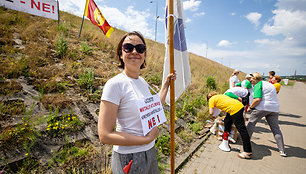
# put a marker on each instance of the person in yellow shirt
(234, 114)
(275, 82)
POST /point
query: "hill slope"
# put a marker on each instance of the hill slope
(50, 86)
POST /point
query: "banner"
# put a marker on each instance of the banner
(44, 8)
(93, 13)
(181, 60)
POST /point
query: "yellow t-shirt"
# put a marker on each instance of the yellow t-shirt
(277, 86)
(225, 103)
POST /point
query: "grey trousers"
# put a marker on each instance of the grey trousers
(143, 162)
(272, 119)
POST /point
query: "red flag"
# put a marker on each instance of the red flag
(93, 13)
(127, 168)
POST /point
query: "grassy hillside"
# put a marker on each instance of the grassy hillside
(51, 82)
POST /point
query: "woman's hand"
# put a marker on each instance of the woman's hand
(171, 76)
(152, 134)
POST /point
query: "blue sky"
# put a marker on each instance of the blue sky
(249, 35)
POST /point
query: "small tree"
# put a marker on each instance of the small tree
(211, 83)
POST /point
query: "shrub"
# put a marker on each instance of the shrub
(86, 49)
(211, 83)
(163, 145)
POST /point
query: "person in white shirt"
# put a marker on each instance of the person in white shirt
(119, 121)
(234, 79)
(265, 104)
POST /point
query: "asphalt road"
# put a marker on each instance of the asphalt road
(266, 159)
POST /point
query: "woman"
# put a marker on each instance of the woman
(234, 114)
(265, 104)
(234, 79)
(119, 118)
(275, 81)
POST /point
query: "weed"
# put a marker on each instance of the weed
(195, 127)
(162, 144)
(61, 125)
(186, 136)
(86, 79)
(61, 47)
(85, 49)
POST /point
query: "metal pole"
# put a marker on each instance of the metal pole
(156, 18)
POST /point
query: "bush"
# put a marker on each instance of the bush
(163, 144)
(211, 83)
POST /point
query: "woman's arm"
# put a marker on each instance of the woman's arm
(108, 134)
(164, 89)
(255, 102)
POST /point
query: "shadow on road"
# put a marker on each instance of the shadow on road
(289, 115)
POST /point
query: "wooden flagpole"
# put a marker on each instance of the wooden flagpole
(172, 94)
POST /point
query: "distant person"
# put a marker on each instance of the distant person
(234, 79)
(265, 104)
(275, 82)
(271, 75)
(119, 121)
(241, 94)
(247, 85)
(234, 114)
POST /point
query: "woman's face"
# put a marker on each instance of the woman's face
(132, 58)
(273, 80)
(254, 81)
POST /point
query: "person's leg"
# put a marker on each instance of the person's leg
(119, 161)
(256, 116)
(227, 129)
(240, 125)
(228, 123)
(272, 120)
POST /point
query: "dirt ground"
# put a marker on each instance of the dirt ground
(266, 159)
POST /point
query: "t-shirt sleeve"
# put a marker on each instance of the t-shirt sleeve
(257, 91)
(211, 103)
(238, 84)
(111, 92)
(232, 95)
(248, 84)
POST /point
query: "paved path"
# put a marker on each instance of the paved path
(266, 159)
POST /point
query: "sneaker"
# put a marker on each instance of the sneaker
(282, 153)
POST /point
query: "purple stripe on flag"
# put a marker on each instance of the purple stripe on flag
(179, 36)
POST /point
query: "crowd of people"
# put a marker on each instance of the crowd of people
(257, 97)
(120, 124)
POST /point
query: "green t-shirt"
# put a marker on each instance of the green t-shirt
(232, 95)
(245, 83)
(257, 90)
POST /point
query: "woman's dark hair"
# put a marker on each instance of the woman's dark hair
(119, 47)
(272, 73)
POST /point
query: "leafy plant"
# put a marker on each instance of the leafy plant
(60, 125)
(86, 79)
(162, 143)
(86, 49)
(195, 127)
(211, 83)
(61, 47)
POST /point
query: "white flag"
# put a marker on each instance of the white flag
(181, 60)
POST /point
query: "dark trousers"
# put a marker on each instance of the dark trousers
(238, 121)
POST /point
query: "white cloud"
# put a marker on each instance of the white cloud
(192, 5)
(128, 20)
(199, 14)
(254, 18)
(291, 24)
(188, 20)
(233, 13)
(224, 43)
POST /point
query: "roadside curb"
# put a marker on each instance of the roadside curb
(183, 159)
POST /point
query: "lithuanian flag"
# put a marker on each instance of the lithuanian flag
(93, 13)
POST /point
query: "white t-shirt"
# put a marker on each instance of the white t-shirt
(269, 100)
(120, 90)
(239, 91)
(233, 79)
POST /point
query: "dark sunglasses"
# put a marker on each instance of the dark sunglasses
(128, 48)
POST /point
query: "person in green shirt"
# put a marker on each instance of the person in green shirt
(234, 114)
(265, 104)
